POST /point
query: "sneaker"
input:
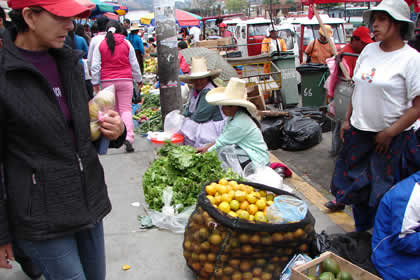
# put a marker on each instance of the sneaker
(334, 206)
(128, 147)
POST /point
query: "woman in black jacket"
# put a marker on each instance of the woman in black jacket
(53, 195)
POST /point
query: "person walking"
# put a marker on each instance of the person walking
(137, 43)
(53, 195)
(319, 49)
(115, 63)
(380, 146)
(101, 23)
(269, 45)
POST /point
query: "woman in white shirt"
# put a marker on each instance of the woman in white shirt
(380, 146)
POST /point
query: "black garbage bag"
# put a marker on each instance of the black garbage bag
(318, 114)
(272, 132)
(300, 133)
(352, 246)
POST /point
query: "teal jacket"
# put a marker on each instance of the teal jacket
(243, 132)
(204, 111)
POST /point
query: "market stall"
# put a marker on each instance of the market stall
(183, 19)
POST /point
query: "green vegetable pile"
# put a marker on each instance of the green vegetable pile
(181, 168)
(149, 118)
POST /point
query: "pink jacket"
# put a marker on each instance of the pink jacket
(121, 65)
(183, 65)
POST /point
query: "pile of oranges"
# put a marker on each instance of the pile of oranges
(239, 200)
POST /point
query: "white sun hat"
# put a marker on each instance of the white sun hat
(199, 70)
(235, 94)
(397, 9)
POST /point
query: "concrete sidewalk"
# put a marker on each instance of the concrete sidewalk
(152, 254)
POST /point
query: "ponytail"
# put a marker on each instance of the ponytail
(110, 41)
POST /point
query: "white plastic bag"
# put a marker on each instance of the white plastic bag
(173, 122)
(286, 209)
(169, 219)
(229, 159)
(265, 175)
(98, 107)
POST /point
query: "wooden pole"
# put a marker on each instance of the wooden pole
(167, 50)
(331, 43)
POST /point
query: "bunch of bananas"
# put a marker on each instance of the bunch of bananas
(151, 64)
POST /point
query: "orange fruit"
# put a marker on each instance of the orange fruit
(251, 198)
(218, 199)
(211, 189)
(233, 214)
(223, 189)
(251, 218)
(270, 197)
(234, 205)
(260, 217)
(212, 199)
(261, 204)
(215, 239)
(244, 215)
(270, 202)
(252, 209)
(240, 196)
(223, 182)
(244, 205)
(226, 197)
(263, 193)
(224, 206)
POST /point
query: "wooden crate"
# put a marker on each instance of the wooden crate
(207, 44)
(224, 41)
(300, 272)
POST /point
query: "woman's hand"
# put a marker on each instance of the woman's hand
(202, 150)
(344, 126)
(6, 255)
(96, 89)
(111, 125)
(383, 140)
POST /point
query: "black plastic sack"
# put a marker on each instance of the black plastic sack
(272, 132)
(300, 133)
(352, 246)
(219, 246)
(314, 113)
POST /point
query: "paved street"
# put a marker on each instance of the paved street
(156, 254)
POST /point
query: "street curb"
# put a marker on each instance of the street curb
(341, 218)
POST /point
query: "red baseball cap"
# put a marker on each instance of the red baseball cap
(364, 34)
(61, 8)
(223, 25)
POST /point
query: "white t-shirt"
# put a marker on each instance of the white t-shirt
(385, 85)
(196, 32)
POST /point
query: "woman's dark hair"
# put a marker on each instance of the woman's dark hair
(94, 28)
(404, 26)
(110, 41)
(80, 30)
(102, 22)
(19, 23)
(182, 45)
(243, 109)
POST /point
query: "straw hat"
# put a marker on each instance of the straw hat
(397, 9)
(328, 29)
(199, 70)
(135, 26)
(235, 94)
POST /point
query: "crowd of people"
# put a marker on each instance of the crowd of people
(56, 230)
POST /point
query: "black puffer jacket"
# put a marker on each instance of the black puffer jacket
(52, 185)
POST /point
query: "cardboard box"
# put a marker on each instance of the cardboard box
(310, 268)
(224, 41)
(207, 44)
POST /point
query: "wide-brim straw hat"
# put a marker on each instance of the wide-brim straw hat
(397, 9)
(234, 94)
(199, 70)
(135, 26)
(328, 29)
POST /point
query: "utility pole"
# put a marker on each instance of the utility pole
(167, 51)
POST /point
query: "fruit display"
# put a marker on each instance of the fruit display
(228, 236)
(149, 116)
(330, 270)
(145, 89)
(150, 65)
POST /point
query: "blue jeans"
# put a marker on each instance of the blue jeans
(79, 256)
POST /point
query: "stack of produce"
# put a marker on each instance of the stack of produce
(145, 89)
(181, 168)
(224, 240)
(330, 270)
(149, 116)
(150, 64)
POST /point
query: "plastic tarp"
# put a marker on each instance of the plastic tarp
(183, 19)
(103, 7)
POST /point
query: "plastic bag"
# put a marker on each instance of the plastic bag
(98, 107)
(294, 262)
(173, 122)
(229, 159)
(271, 129)
(265, 175)
(169, 218)
(300, 133)
(286, 209)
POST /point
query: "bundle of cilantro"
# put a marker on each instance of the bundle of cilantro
(181, 168)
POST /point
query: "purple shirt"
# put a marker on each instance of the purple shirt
(47, 65)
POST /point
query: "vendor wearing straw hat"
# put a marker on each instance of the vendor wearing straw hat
(203, 122)
(137, 43)
(380, 145)
(241, 129)
(319, 50)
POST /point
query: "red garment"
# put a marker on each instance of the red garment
(183, 65)
(116, 66)
(349, 60)
(226, 33)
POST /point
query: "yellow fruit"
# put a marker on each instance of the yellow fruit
(270, 197)
(249, 189)
(95, 131)
(215, 239)
(244, 205)
(223, 182)
(260, 217)
(226, 197)
(233, 184)
(234, 205)
(240, 196)
(212, 199)
(270, 202)
(211, 189)
(251, 218)
(251, 198)
(233, 214)
(218, 199)
(126, 267)
(242, 187)
(231, 193)
(222, 189)
(261, 204)
(224, 206)
(244, 215)
(263, 193)
(252, 209)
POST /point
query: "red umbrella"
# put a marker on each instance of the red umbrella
(416, 4)
(310, 2)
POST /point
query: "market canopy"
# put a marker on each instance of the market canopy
(183, 19)
(310, 2)
(104, 7)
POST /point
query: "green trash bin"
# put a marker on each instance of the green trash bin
(285, 61)
(312, 85)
